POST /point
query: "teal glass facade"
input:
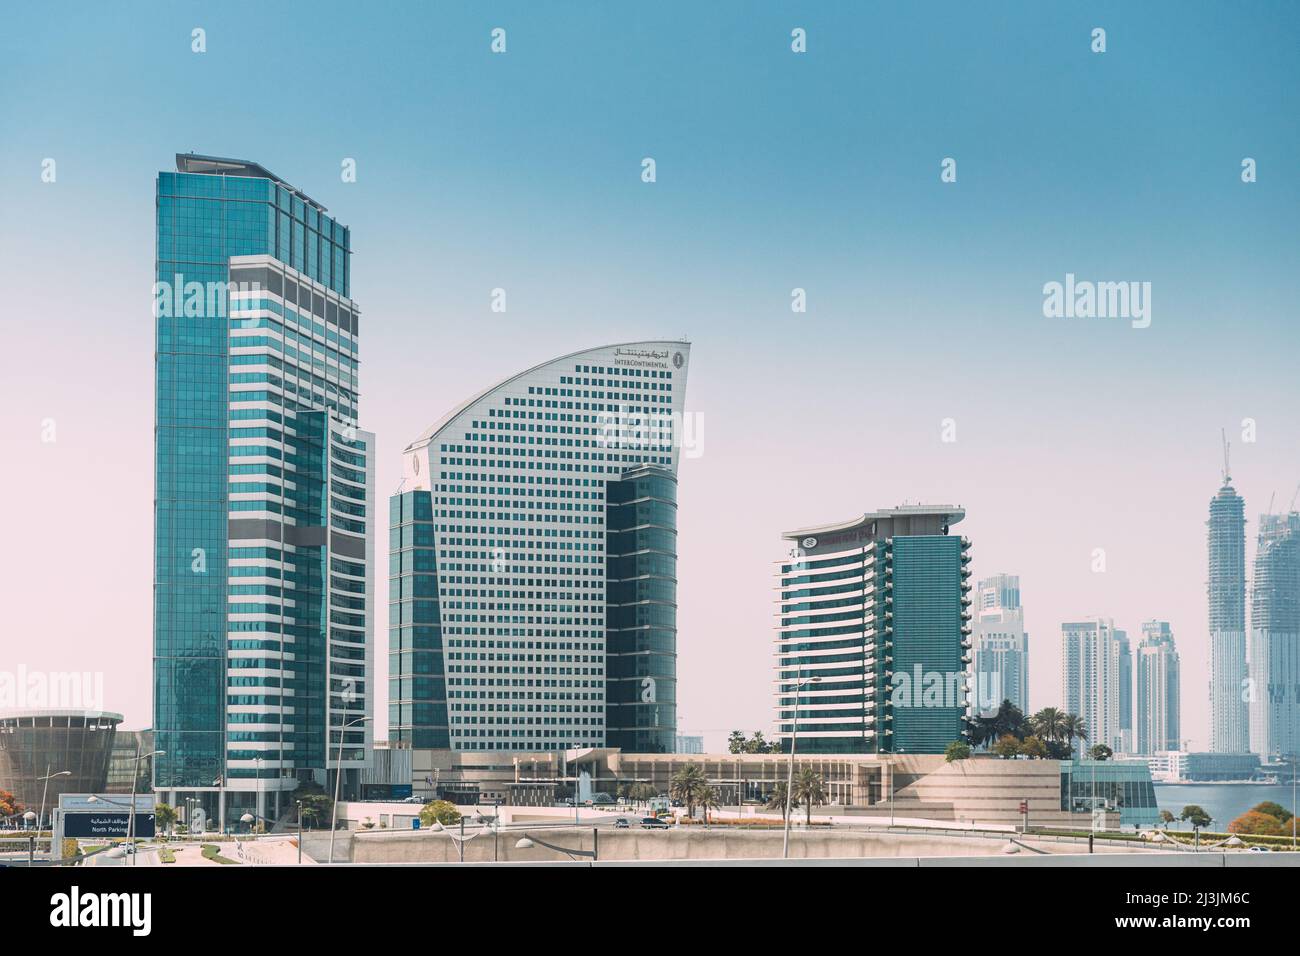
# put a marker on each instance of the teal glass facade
(417, 680)
(1113, 785)
(926, 575)
(261, 479)
(641, 612)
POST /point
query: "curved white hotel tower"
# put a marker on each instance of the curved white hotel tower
(533, 560)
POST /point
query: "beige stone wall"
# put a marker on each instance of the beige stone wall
(680, 844)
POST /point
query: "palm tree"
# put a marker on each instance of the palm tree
(1048, 723)
(983, 731)
(777, 800)
(736, 742)
(1074, 726)
(1010, 720)
(707, 798)
(808, 790)
(685, 786)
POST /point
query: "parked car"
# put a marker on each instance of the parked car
(621, 823)
(654, 823)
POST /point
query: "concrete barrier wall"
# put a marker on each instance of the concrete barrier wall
(679, 844)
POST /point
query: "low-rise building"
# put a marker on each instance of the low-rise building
(981, 789)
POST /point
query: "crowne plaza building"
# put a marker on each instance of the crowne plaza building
(873, 634)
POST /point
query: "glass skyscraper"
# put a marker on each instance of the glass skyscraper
(533, 561)
(1091, 678)
(1273, 651)
(873, 634)
(263, 495)
(1001, 646)
(1158, 709)
(1226, 591)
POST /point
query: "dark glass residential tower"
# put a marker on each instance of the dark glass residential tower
(641, 611)
(533, 561)
(873, 634)
(262, 605)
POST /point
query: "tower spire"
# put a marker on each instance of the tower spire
(1227, 474)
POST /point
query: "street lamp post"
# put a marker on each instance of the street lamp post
(789, 777)
(460, 841)
(29, 818)
(40, 822)
(299, 831)
(135, 776)
(527, 843)
(338, 776)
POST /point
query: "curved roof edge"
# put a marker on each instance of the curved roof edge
(23, 712)
(950, 513)
(432, 431)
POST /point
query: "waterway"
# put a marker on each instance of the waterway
(1222, 801)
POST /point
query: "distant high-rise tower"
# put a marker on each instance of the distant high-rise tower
(1226, 589)
(1090, 678)
(872, 633)
(1157, 716)
(263, 495)
(1001, 646)
(1273, 650)
(1125, 692)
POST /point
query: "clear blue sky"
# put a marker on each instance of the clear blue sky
(775, 171)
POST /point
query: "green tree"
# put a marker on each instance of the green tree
(957, 750)
(1033, 746)
(736, 742)
(707, 798)
(1166, 817)
(1196, 816)
(1074, 727)
(1048, 724)
(317, 808)
(686, 786)
(1007, 747)
(439, 811)
(808, 790)
(1100, 752)
(164, 816)
(757, 744)
(1281, 813)
(777, 800)
(1255, 823)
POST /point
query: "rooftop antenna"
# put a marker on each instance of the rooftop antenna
(1227, 475)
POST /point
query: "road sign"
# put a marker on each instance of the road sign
(107, 825)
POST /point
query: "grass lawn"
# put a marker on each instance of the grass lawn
(213, 852)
